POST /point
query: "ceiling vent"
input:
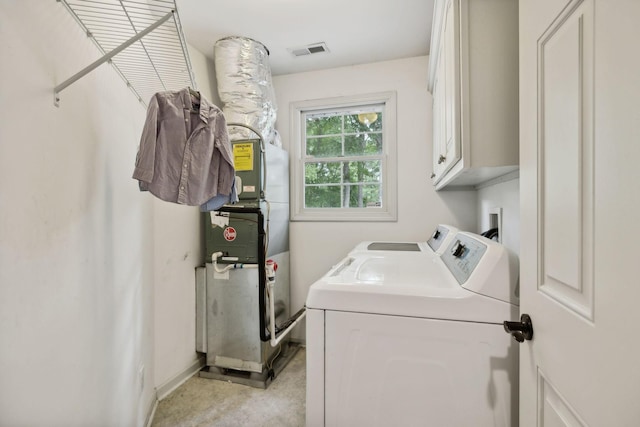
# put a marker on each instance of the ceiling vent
(309, 49)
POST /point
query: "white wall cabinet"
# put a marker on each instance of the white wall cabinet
(446, 125)
(473, 77)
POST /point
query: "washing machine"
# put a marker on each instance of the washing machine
(434, 246)
(409, 341)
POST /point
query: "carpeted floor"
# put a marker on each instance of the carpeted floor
(205, 402)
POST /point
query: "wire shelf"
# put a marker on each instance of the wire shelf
(143, 41)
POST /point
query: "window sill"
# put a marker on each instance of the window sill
(345, 215)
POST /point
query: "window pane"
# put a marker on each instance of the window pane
(363, 122)
(323, 125)
(324, 146)
(322, 196)
(322, 172)
(358, 172)
(363, 195)
(363, 144)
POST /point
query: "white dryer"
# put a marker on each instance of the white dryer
(402, 341)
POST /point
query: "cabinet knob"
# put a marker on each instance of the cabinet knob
(441, 159)
(433, 175)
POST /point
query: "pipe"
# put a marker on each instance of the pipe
(292, 322)
(293, 319)
(262, 278)
(239, 265)
(270, 273)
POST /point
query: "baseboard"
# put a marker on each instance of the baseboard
(165, 389)
(151, 412)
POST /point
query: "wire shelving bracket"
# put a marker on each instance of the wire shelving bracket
(141, 39)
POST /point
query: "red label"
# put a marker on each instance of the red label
(229, 234)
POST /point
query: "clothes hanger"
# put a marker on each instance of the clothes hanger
(195, 100)
(194, 93)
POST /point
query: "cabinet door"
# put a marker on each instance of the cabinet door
(439, 142)
(435, 107)
(451, 151)
(476, 45)
(446, 98)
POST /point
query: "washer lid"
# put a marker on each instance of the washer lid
(403, 286)
(437, 243)
(392, 248)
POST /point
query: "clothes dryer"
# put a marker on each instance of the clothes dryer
(395, 341)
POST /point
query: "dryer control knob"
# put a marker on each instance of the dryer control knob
(458, 249)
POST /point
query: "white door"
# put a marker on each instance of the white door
(580, 211)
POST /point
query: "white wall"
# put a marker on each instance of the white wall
(178, 250)
(316, 246)
(83, 253)
(505, 195)
(205, 75)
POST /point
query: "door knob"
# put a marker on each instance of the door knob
(522, 330)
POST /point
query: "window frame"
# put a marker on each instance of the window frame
(388, 210)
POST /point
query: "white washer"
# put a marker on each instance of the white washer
(434, 246)
(405, 341)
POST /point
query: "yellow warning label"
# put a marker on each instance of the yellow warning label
(243, 157)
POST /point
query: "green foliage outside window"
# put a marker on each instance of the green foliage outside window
(343, 159)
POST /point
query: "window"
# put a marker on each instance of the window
(345, 159)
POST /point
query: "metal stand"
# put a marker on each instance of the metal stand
(253, 379)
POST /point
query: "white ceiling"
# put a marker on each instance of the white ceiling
(355, 31)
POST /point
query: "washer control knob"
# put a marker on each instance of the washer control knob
(458, 249)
